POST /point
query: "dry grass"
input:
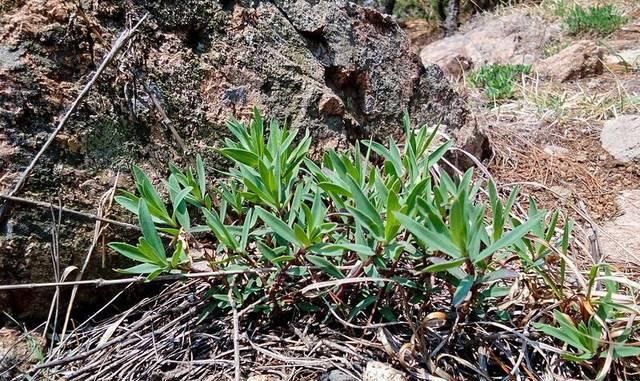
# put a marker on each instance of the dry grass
(566, 103)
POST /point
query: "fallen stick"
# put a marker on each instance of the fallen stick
(47, 205)
(141, 279)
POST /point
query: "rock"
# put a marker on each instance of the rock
(556, 151)
(336, 375)
(516, 38)
(377, 371)
(10, 58)
(629, 56)
(621, 137)
(624, 60)
(563, 193)
(336, 68)
(331, 105)
(382, 6)
(580, 60)
(263, 377)
(620, 237)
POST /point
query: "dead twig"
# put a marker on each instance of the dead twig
(236, 331)
(162, 278)
(90, 216)
(97, 232)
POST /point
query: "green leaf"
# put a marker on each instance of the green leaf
(179, 197)
(325, 266)
(258, 187)
(318, 210)
(496, 291)
(130, 252)
(562, 335)
(149, 231)
(301, 236)
(179, 256)
(220, 231)
(338, 248)
(443, 266)
(334, 188)
(499, 274)
(128, 201)
(462, 290)
(240, 132)
(366, 207)
(249, 221)
(622, 350)
(144, 268)
(362, 305)
(201, 176)
(278, 227)
(510, 238)
(457, 221)
(432, 240)
(392, 156)
(268, 253)
(392, 225)
(149, 192)
(375, 229)
(436, 155)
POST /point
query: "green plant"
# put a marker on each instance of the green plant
(498, 80)
(456, 226)
(601, 20)
(597, 332)
(379, 211)
(150, 251)
(417, 9)
(544, 244)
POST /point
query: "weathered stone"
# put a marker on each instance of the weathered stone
(556, 151)
(581, 59)
(198, 62)
(620, 237)
(263, 377)
(377, 371)
(621, 137)
(630, 57)
(516, 38)
(383, 6)
(336, 375)
(331, 105)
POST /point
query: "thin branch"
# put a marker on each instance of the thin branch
(97, 232)
(124, 37)
(141, 279)
(47, 205)
(236, 331)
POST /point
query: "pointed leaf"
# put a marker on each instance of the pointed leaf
(144, 268)
(432, 239)
(325, 266)
(129, 251)
(278, 227)
(149, 231)
(510, 238)
(462, 290)
(443, 266)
